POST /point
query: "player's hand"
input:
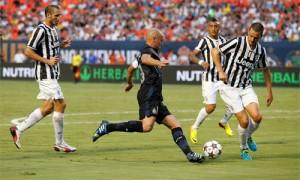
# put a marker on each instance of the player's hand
(163, 62)
(205, 65)
(269, 99)
(128, 86)
(66, 43)
(52, 61)
(223, 77)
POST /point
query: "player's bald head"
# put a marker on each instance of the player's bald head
(153, 33)
(154, 38)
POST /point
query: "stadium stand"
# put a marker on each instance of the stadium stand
(180, 20)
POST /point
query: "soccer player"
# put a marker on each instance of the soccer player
(209, 78)
(151, 107)
(43, 47)
(243, 55)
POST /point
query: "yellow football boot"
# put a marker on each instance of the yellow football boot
(227, 129)
(193, 135)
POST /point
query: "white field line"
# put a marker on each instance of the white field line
(18, 120)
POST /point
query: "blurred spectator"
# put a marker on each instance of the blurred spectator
(295, 59)
(76, 63)
(180, 20)
(100, 59)
(272, 59)
(20, 57)
(120, 58)
(92, 58)
(172, 57)
(112, 57)
(183, 55)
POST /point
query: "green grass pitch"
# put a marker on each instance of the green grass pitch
(143, 156)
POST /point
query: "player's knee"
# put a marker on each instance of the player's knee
(210, 108)
(63, 105)
(147, 127)
(47, 110)
(243, 119)
(257, 118)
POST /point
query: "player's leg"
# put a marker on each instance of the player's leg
(224, 121)
(147, 113)
(179, 138)
(209, 93)
(251, 103)
(243, 134)
(170, 121)
(31, 120)
(231, 96)
(58, 124)
(58, 117)
(105, 127)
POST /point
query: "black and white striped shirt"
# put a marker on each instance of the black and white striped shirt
(205, 45)
(241, 60)
(45, 42)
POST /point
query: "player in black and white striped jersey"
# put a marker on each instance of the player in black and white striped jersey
(43, 47)
(243, 55)
(45, 43)
(209, 78)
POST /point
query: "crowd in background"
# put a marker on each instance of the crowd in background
(180, 20)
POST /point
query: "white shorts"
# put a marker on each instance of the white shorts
(237, 98)
(49, 89)
(209, 92)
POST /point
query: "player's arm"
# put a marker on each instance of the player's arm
(37, 38)
(216, 55)
(130, 71)
(65, 43)
(148, 60)
(268, 82)
(193, 58)
(34, 56)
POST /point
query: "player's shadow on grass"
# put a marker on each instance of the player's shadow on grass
(131, 148)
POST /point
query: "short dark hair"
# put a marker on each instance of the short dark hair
(212, 19)
(257, 27)
(49, 9)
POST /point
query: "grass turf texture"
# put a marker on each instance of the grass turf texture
(143, 156)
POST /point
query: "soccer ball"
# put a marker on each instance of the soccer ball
(212, 149)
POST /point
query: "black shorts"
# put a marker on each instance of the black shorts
(157, 109)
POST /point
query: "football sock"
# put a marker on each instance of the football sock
(226, 117)
(32, 119)
(200, 118)
(243, 137)
(130, 126)
(58, 124)
(180, 140)
(252, 127)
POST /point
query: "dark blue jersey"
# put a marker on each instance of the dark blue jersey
(151, 85)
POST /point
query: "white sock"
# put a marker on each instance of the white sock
(226, 116)
(31, 120)
(252, 127)
(243, 133)
(58, 123)
(200, 118)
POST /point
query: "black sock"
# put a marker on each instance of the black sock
(180, 140)
(130, 126)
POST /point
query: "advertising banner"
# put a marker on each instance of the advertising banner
(171, 75)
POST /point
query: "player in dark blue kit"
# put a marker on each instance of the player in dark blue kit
(151, 107)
